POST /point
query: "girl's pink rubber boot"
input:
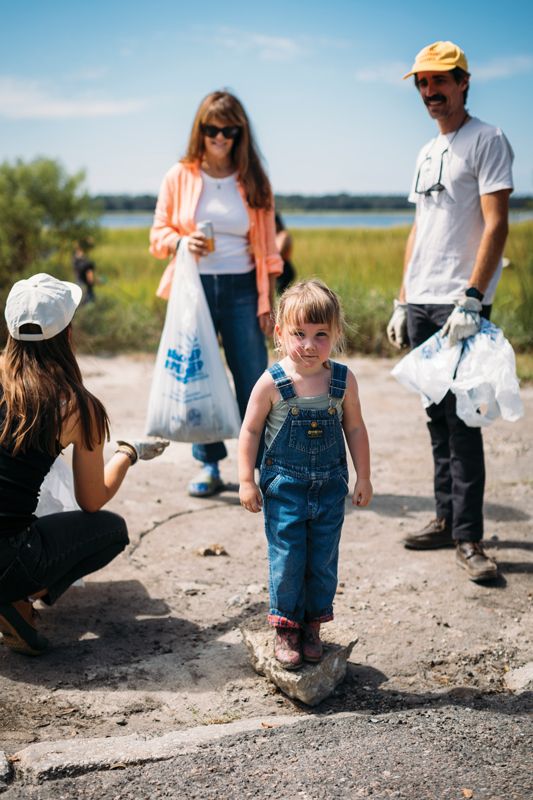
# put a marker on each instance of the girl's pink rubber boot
(288, 648)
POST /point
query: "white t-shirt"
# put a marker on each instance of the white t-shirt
(476, 160)
(222, 204)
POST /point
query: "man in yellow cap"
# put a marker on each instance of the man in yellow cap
(452, 264)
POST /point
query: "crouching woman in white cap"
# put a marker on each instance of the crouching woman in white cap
(44, 407)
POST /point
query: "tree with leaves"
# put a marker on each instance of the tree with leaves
(44, 211)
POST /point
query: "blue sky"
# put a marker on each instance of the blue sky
(112, 87)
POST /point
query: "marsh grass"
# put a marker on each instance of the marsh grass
(513, 309)
(127, 315)
(364, 266)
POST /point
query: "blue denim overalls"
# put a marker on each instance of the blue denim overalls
(304, 480)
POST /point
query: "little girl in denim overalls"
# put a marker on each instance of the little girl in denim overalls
(307, 406)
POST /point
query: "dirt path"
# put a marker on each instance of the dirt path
(151, 643)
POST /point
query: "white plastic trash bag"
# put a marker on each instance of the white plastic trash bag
(190, 397)
(480, 371)
(429, 368)
(486, 385)
(57, 490)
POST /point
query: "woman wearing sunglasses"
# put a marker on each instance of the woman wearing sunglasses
(221, 180)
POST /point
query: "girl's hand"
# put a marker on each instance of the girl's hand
(197, 244)
(362, 494)
(266, 323)
(250, 496)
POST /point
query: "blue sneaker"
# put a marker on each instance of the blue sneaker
(205, 484)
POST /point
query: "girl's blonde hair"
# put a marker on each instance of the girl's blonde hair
(310, 301)
(245, 154)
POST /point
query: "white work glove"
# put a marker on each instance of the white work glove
(397, 327)
(464, 321)
(145, 449)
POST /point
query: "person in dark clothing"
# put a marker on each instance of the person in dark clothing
(284, 245)
(84, 271)
(44, 407)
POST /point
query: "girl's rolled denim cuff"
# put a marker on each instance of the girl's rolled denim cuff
(323, 618)
(279, 621)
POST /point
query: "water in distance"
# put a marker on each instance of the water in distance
(356, 219)
(292, 220)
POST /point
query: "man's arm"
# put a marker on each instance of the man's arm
(465, 319)
(495, 210)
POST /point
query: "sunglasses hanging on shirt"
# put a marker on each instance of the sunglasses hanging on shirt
(425, 170)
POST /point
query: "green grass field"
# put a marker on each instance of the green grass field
(363, 265)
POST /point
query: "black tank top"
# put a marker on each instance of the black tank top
(21, 477)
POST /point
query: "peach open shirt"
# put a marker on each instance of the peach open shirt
(174, 217)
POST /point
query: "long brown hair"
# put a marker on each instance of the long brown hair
(41, 387)
(244, 154)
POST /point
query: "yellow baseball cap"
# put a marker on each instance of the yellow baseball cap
(439, 57)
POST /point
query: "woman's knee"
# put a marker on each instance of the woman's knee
(114, 525)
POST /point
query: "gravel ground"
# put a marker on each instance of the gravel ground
(448, 752)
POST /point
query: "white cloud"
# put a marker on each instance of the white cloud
(22, 99)
(392, 72)
(89, 74)
(388, 72)
(267, 48)
(503, 68)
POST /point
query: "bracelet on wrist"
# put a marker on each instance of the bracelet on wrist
(128, 451)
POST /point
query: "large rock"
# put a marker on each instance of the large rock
(520, 679)
(51, 760)
(310, 684)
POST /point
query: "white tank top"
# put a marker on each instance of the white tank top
(222, 204)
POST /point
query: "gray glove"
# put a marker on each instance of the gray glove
(464, 321)
(397, 327)
(145, 449)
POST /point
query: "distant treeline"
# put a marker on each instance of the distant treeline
(297, 202)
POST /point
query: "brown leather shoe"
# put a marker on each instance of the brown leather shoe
(471, 557)
(18, 628)
(288, 648)
(311, 644)
(436, 533)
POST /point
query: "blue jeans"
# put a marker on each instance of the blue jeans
(232, 301)
(303, 523)
(56, 550)
(304, 481)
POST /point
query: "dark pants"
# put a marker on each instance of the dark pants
(232, 301)
(57, 550)
(286, 278)
(459, 466)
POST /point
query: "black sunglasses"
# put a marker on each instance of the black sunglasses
(228, 131)
(436, 187)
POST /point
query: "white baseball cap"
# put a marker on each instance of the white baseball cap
(44, 301)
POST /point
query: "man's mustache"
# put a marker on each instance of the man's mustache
(435, 98)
